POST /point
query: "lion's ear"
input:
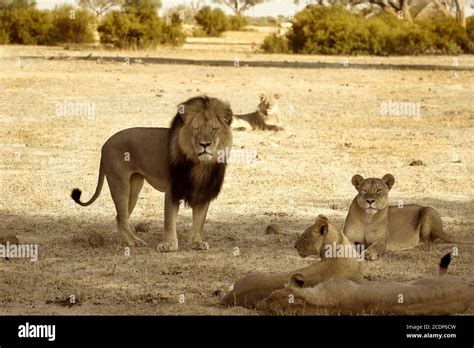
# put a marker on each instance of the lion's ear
(262, 96)
(357, 180)
(297, 280)
(323, 223)
(228, 115)
(389, 180)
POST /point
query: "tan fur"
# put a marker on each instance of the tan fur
(251, 289)
(264, 118)
(438, 296)
(378, 226)
(134, 155)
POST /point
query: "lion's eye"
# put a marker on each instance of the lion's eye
(364, 191)
(379, 190)
(213, 130)
(196, 130)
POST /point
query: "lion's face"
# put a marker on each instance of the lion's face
(311, 242)
(206, 129)
(373, 192)
(268, 107)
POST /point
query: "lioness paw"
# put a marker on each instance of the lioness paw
(166, 247)
(200, 245)
(370, 254)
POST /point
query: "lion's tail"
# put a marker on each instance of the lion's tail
(444, 263)
(76, 193)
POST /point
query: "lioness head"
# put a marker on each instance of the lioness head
(204, 129)
(311, 242)
(268, 107)
(373, 192)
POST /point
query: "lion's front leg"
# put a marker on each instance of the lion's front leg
(199, 217)
(170, 240)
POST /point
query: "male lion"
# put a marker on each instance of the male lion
(316, 240)
(378, 226)
(180, 161)
(265, 118)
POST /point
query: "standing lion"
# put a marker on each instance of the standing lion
(180, 161)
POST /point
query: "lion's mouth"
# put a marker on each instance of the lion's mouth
(205, 156)
(371, 210)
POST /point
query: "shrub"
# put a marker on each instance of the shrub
(275, 44)
(237, 23)
(334, 30)
(25, 26)
(213, 22)
(139, 27)
(72, 25)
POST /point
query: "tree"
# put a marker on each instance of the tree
(239, 6)
(99, 7)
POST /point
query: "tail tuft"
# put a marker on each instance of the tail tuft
(76, 195)
(444, 263)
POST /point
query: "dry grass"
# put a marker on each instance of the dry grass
(301, 172)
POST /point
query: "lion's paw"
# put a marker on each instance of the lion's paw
(166, 247)
(370, 255)
(200, 245)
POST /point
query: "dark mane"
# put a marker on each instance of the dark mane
(183, 185)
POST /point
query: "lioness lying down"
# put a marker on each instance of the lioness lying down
(180, 161)
(436, 296)
(264, 118)
(378, 226)
(316, 240)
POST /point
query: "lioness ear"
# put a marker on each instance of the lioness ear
(388, 180)
(262, 96)
(323, 223)
(297, 280)
(357, 180)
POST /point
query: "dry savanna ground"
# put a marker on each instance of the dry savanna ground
(333, 129)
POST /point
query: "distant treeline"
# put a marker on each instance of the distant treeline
(314, 30)
(334, 30)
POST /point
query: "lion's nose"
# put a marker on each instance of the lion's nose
(204, 145)
(370, 201)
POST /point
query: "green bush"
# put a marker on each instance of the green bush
(275, 44)
(470, 28)
(237, 23)
(139, 27)
(24, 25)
(334, 30)
(213, 22)
(72, 25)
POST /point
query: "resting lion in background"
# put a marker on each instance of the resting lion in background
(445, 295)
(265, 118)
(378, 226)
(316, 240)
(180, 161)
